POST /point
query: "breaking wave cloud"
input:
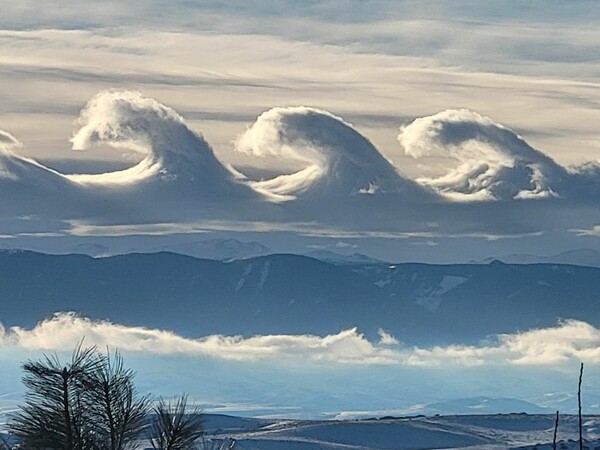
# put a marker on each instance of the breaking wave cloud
(340, 161)
(345, 179)
(494, 163)
(172, 152)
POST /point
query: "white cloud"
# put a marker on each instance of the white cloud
(308, 229)
(338, 159)
(493, 161)
(345, 245)
(64, 331)
(127, 119)
(386, 338)
(593, 231)
(570, 340)
(8, 141)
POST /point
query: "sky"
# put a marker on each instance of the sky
(437, 131)
(465, 122)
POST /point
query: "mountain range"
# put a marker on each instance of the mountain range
(577, 257)
(285, 293)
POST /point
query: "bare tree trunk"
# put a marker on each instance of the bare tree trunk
(579, 401)
(555, 432)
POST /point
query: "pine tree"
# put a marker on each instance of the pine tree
(174, 427)
(55, 415)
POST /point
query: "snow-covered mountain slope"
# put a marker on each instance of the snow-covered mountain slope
(343, 259)
(296, 294)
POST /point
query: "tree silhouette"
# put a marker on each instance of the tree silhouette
(174, 427)
(55, 415)
(90, 403)
(118, 411)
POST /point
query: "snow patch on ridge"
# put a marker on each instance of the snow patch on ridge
(431, 298)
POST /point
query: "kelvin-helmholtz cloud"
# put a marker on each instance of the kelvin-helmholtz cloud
(173, 154)
(494, 163)
(344, 176)
(340, 161)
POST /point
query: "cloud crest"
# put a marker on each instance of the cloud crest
(172, 152)
(22, 179)
(340, 161)
(494, 163)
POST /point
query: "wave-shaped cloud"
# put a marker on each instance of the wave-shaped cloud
(493, 161)
(568, 341)
(177, 162)
(172, 152)
(14, 167)
(27, 186)
(340, 161)
(346, 183)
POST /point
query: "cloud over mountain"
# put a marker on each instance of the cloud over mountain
(18, 169)
(346, 185)
(28, 187)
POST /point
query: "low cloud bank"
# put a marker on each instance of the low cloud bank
(568, 341)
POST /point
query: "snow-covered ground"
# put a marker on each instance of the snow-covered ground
(486, 432)
(490, 432)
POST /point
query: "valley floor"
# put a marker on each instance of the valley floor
(486, 432)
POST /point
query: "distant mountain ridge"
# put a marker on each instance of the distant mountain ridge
(284, 293)
(338, 258)
(578, 257)
(218, 249)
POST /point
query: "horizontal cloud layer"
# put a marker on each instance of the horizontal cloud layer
(568, 341)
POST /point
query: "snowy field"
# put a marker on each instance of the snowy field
(502, 431)
(486, 432)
